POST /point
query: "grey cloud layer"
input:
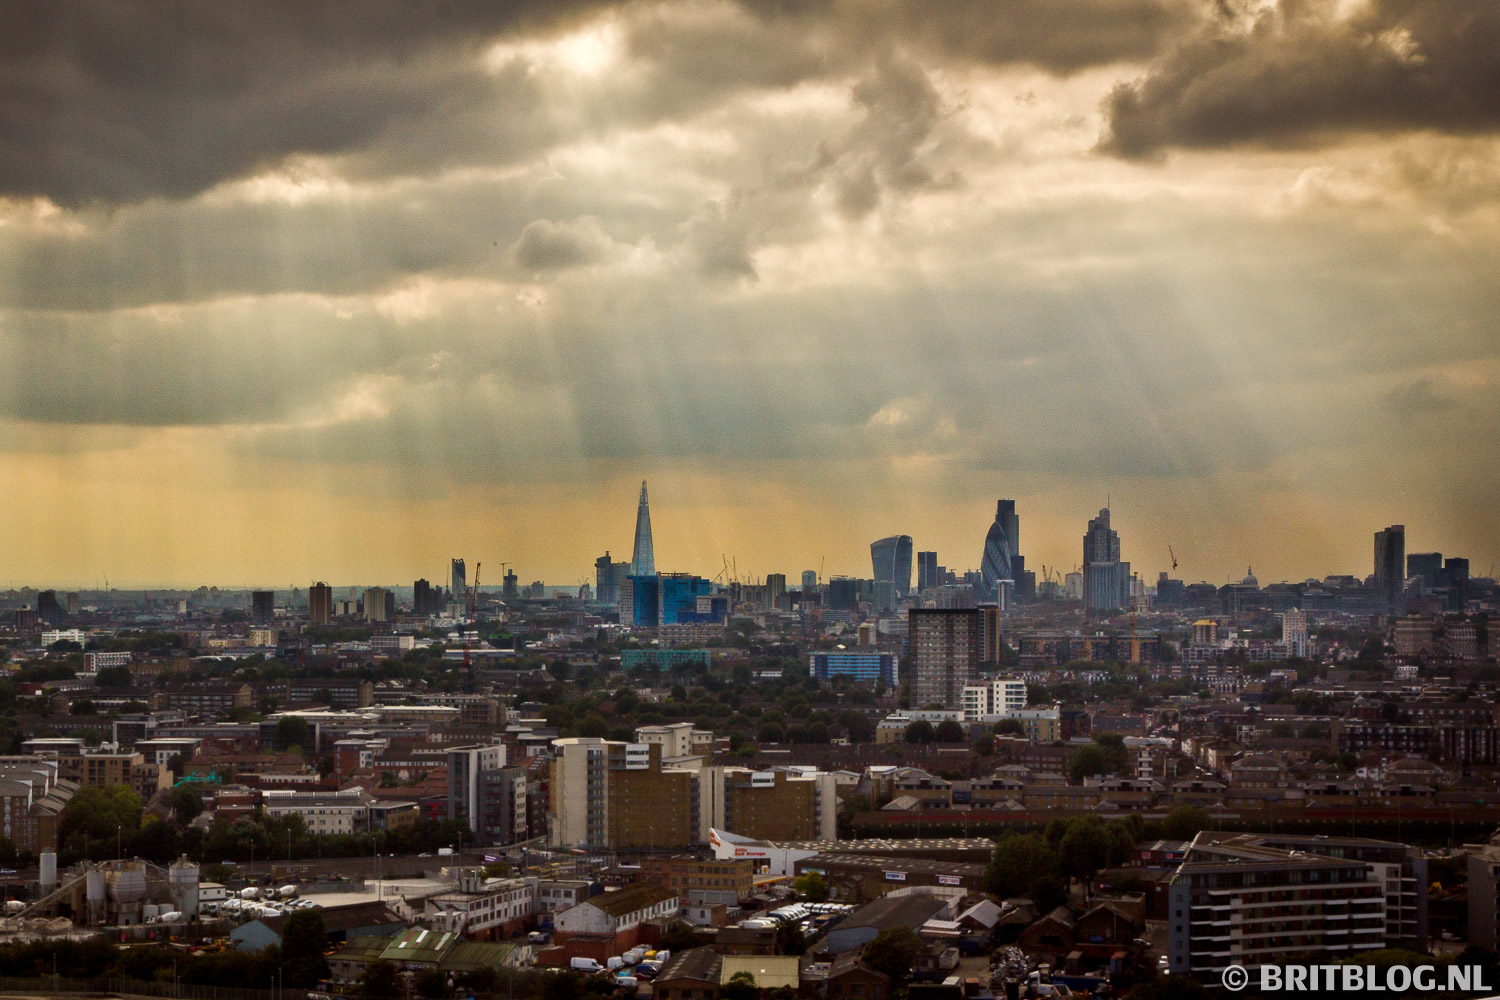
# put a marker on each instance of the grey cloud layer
(118, 100)
(1300, 74)
(111, 101)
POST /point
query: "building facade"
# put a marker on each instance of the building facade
(945, 652)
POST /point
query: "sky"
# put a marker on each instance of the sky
(339, 291)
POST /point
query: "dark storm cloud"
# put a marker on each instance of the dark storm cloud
(118, 100)
(1298, 74)
(115, 101)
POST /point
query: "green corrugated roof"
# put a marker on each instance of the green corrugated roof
(467, 956)
(418, 944)
(364, 949)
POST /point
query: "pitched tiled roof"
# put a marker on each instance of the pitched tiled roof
(629, 900)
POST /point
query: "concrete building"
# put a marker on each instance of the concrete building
(1294, 632)
(993, 700)
(324, 812)
(945, 651)
(486, 795)
(618, 795)
(481, 908)
(319, 604)
(702, 879)
(1237, 901)
(863, 667)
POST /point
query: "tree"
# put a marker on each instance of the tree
(741, 986)
(112, 677)
(1010, 727)
(100, 813)
(949, 731)
(789, 938)
(1085, 848)
(920, 731)
(1086, 762)
(496, 869)
(291, 731)
(893, 952)
(1027, 865)
(857, 726)
(594, 725)
(186, 804)
(432, 983)
(380, 980)
(302, 942)
(1185, 823)
(812, 886)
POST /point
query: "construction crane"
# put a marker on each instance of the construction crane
(1174, 558)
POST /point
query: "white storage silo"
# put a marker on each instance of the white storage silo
(48, 877)
(182, 885)
(94, 895)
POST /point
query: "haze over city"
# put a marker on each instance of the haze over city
(314, 295)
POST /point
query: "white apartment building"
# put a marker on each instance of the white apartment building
(991, 701)
(323, 812)
(99, 661)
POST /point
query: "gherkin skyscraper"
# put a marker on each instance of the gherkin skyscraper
(1001, 546)
(643, 562)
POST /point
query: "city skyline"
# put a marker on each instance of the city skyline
(752, 571)
(338, 294)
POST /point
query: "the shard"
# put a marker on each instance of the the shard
(643, 562)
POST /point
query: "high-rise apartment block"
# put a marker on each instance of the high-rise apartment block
(262, 607)
(485, 794)
(319, 604)
(1294, 632)
(945, 652)
(1390, 562)
(380, 605)
(425, 598)
(775, 590)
